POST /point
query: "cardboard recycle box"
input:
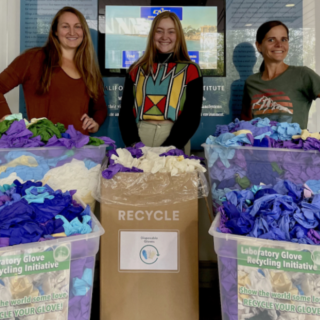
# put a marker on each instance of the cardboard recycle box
(149, 253)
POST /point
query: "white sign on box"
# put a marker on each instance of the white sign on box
(148, 251)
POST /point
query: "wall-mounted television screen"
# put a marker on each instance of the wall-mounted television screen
(124, 29)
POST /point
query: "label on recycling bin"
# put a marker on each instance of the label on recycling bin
(276, 283)
(148, 251)
(34, 282)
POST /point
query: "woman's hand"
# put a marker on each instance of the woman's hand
(89, 124)
(4, 117)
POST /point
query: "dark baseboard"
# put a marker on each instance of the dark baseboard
(208, 274)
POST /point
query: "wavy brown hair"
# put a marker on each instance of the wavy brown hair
(85, 57)
(180, 52)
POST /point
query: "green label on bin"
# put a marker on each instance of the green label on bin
(34, 282)
(55, 259)
(279, 259)
(276, 283)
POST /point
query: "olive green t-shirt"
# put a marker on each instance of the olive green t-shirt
(287, 98)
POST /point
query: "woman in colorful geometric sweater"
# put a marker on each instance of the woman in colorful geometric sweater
(162, 97)
(280, 92)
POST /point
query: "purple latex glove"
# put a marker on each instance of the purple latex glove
(17, 136)
(238, 222)
(294, 144)
(178, 152)
(110, 153)
(134, 169)
(228, 274)
(260, 227)
(34, 142)
(311, 144)
(223, 221)
(239, 159)
(108, 141)
(256, 131)
(314, 236)
(298, 232)
(274, 234)
(19, 129)
(115, 168)
(220, 129)
(79, 265)
(173, 152)
(80, 307)
(136, 153)
(250, 138)
(260, 171)
(4, 242)
(220, 172)
(79, 139)
(62, 142)
(139, 145)
(4, 199)
(273, 123)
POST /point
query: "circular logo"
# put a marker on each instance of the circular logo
(316, 259)
(149, 254)
(61, 253)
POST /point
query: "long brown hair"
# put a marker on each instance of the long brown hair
(85, 57)
(180, 52)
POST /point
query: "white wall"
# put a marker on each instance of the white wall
(10, 43)
(311, 57)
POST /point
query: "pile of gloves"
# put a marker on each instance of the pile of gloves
(68, 167)
(31, 212)
(283, 212)
(264, 133)
(145, 159)
(239, 168)
(15, 133)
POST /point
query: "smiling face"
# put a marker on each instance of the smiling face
(165, 36)
(69, 31)
(275, 45)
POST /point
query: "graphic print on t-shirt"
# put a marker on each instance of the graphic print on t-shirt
(272, 104)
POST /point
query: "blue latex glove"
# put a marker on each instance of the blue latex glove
(75, 226)
(314, 185)
(37, 194)
(80, 287)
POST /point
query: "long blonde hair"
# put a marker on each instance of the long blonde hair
(180, 52)
(85, 57)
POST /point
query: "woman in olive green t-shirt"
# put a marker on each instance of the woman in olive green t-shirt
(280, 92)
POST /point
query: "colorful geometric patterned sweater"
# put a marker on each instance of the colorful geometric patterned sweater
(172, 91)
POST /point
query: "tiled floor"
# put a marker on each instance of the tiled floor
(209, 302)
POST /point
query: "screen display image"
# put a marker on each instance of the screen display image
(127, 29)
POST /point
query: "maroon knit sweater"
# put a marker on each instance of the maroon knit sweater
(66, 101)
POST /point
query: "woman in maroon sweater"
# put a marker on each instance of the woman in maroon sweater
(61, 81)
